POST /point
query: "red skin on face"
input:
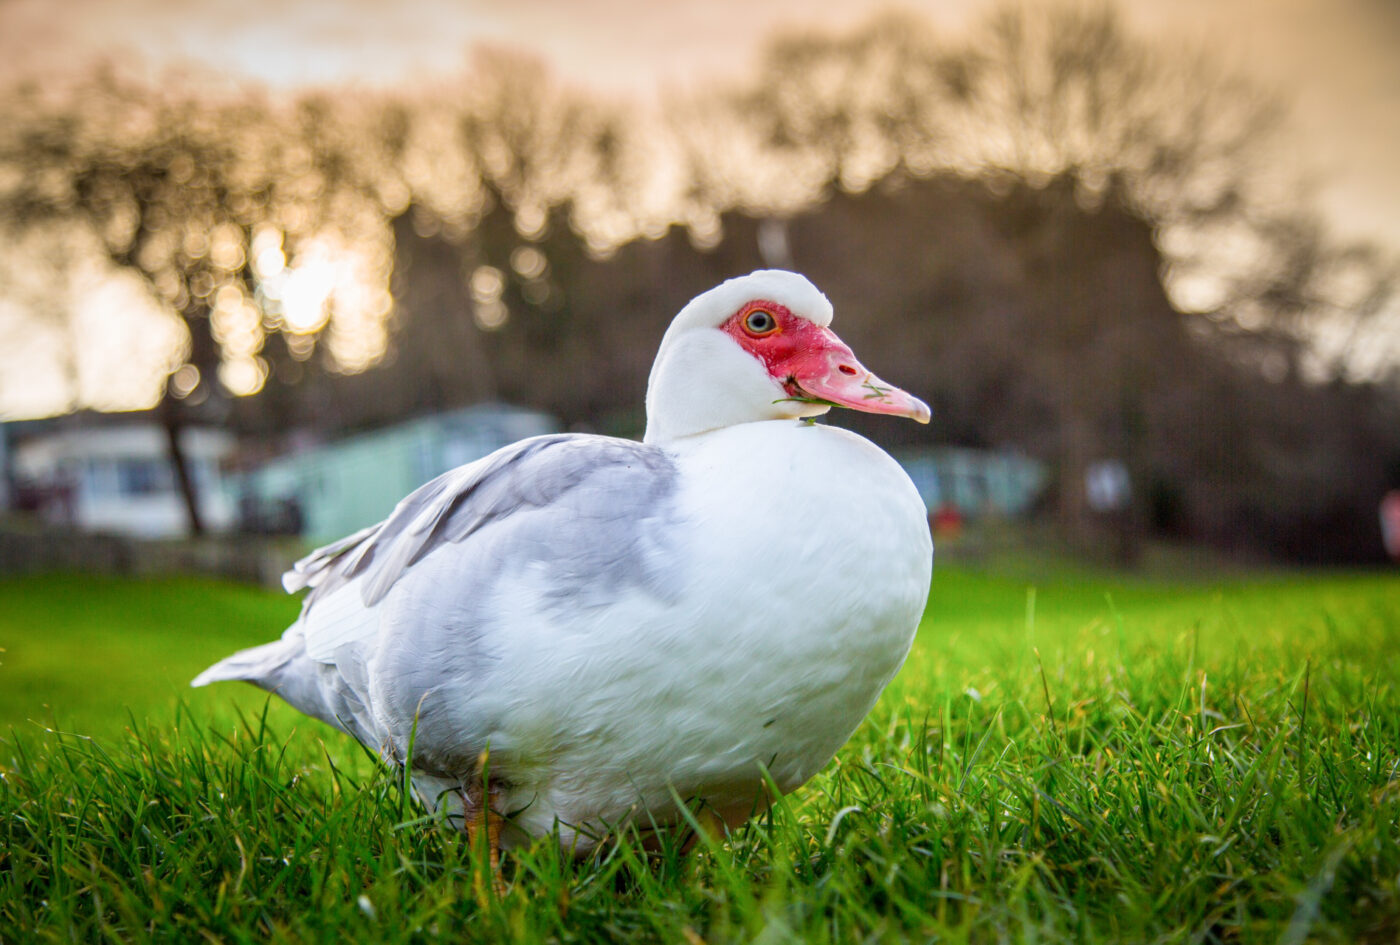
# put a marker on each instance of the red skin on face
(809, 361)
(794, 350)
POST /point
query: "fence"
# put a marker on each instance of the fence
(26, 548)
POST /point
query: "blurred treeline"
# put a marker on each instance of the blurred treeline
(1070, 241)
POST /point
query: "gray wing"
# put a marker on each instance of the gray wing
(593, 506)
(595, 514)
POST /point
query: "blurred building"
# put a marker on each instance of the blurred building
(326, 491)
(975, 482)
(116, 477)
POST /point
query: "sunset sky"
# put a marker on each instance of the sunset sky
(1338, 60)
(1335, 60)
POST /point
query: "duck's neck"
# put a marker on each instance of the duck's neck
(702, 381)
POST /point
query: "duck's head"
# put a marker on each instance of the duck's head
(759, 347)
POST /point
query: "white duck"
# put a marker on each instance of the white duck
(615, 624)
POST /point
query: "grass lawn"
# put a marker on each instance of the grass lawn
(1070, 758)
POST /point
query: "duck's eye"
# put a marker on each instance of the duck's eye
(760, 322)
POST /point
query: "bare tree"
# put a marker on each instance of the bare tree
(240, 216)
(1065, 114)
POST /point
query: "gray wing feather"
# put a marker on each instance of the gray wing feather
(612, 482)
(595, 512)
(309, 571)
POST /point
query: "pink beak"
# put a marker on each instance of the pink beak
(830, 372)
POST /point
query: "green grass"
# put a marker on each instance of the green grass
(85, 653)
(1070, 759)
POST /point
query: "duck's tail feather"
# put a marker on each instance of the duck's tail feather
(255, 665)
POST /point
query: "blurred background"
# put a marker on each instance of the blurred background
(267, 266)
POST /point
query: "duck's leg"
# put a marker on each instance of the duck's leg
(710, 829)
(477, 819)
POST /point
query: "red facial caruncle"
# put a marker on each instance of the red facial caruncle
(811, 363)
